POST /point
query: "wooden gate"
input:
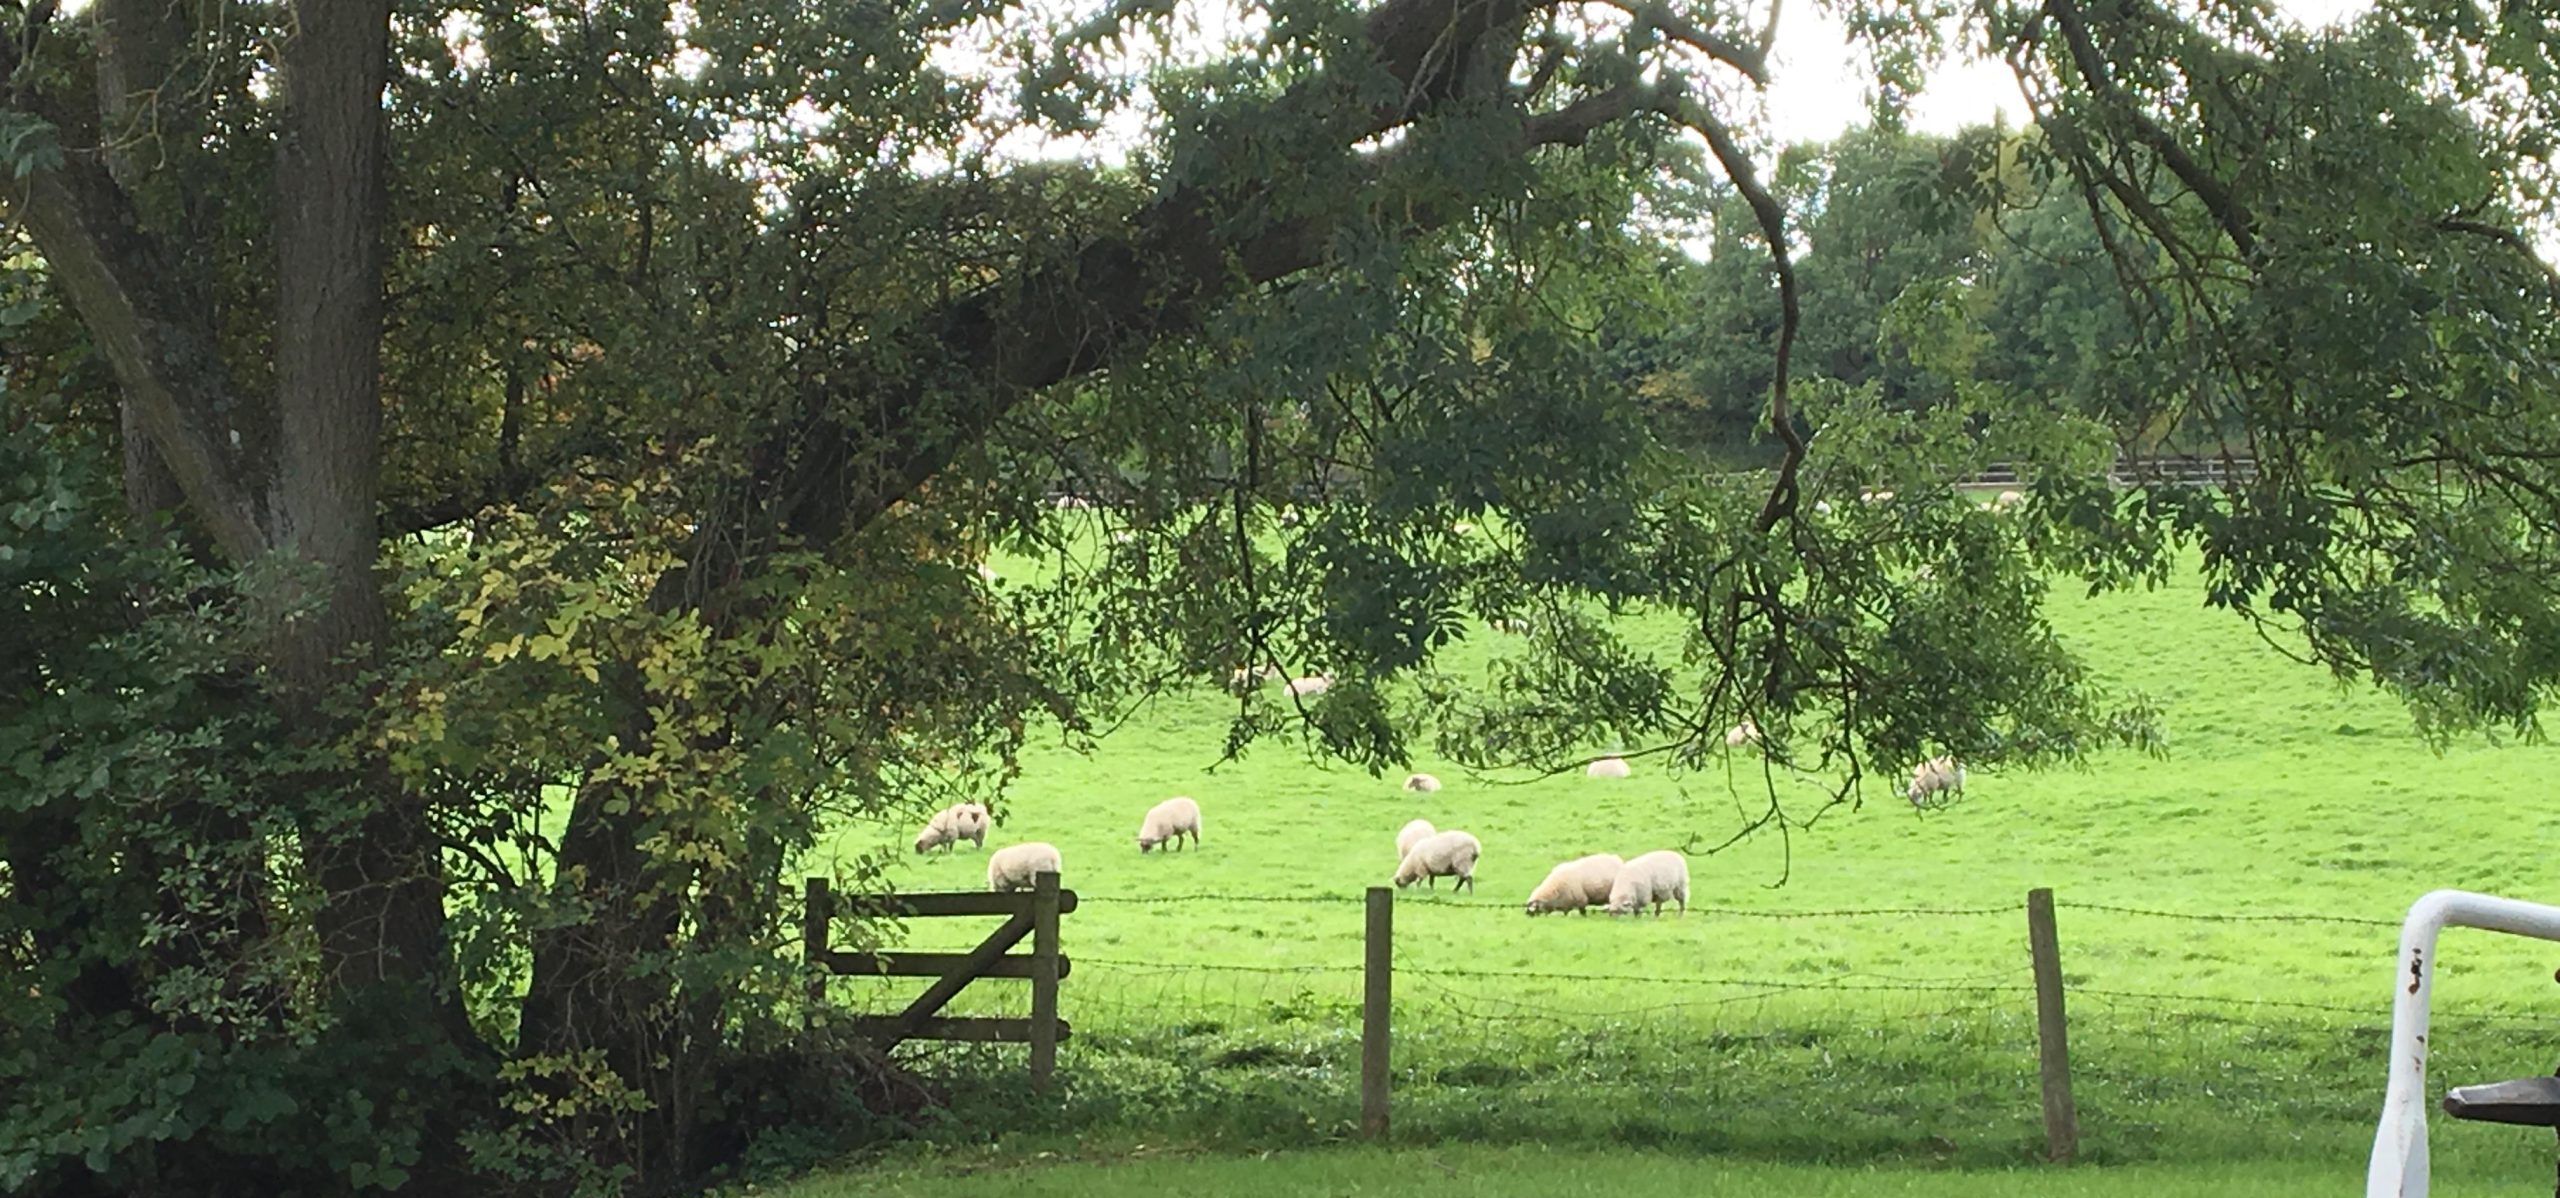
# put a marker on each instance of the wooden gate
(1032, 913)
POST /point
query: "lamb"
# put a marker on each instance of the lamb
(1577, 885)
(1745, 733)
(1448, 854)
(1015, 867)
(1607, 767)
(953, 824)
(1933, 778)
(1656, 878)
(1414, 833)
(1170, 820)
(1310, 686)
(1423, 783)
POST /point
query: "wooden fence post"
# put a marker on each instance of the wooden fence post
(817, 905)
(1044, 979)
(1377, 1000)
(2061, 1119)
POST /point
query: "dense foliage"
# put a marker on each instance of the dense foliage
(557, 446)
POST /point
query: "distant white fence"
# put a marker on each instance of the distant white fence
(2140, 472)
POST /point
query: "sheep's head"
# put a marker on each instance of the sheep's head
(1146, 845)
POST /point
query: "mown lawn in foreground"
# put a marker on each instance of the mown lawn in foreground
(1530, 1172)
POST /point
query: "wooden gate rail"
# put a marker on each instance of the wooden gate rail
(1033, 913)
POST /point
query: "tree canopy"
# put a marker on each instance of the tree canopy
(486, 483)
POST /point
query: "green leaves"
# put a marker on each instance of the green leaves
(28, 143)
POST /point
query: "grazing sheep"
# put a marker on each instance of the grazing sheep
(1607, 767)
(1423, 783)
(1934, 778)
(1745, 733)
(1577, 885)
(1446, 855)
(2006, 500)
(1310, 686)
(1170, 820)
(953, 824)
(1414, 833)
(1656, 878)
(1015, 867)
(1247, 678)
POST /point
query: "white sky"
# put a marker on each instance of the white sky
(1816, 88)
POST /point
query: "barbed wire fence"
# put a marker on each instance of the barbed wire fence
(2142, 1050)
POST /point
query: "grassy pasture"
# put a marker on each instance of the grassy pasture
(1462, 1172)
(1214, 993)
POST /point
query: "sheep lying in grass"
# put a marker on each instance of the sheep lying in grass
(953, 824)
(1607, 767)
(1015, 867)
(1577, 885)
(1446, 855)
(1423, 783)
(1171, 820)
(1933, 780)
(1745, 733)
(1656, 878)
(1310, 686)
(1414, 833)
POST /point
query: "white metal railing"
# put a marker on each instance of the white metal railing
(2399, 1166)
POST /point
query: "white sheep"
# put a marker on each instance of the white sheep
(1445, 855)
(1607, 767)
(1246, 678)
(1423, 783)
(1656, 878)
(1414, 833)
(1310, 686)
(1577, 885)
(1934, 778)
(1513, 625)
(1745, 733)
(1170, 820)
(953, 824)
(1822, 507)
(1015, 867)
(1462, 528)
(2006, 500)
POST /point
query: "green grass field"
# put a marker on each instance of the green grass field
(1214, 993)
(1549, 1173)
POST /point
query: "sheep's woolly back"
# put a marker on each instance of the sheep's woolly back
(953, 824)
(1651, 880)
(1424, 783)
(1445, 855)
(1745, 733)
(1607, 767)
(1169, 819)
(1933, 776)
(1015, 867)
(1311, 685)
(1414, 833)
(1573, 885)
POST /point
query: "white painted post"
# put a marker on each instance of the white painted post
(2399, 1165)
